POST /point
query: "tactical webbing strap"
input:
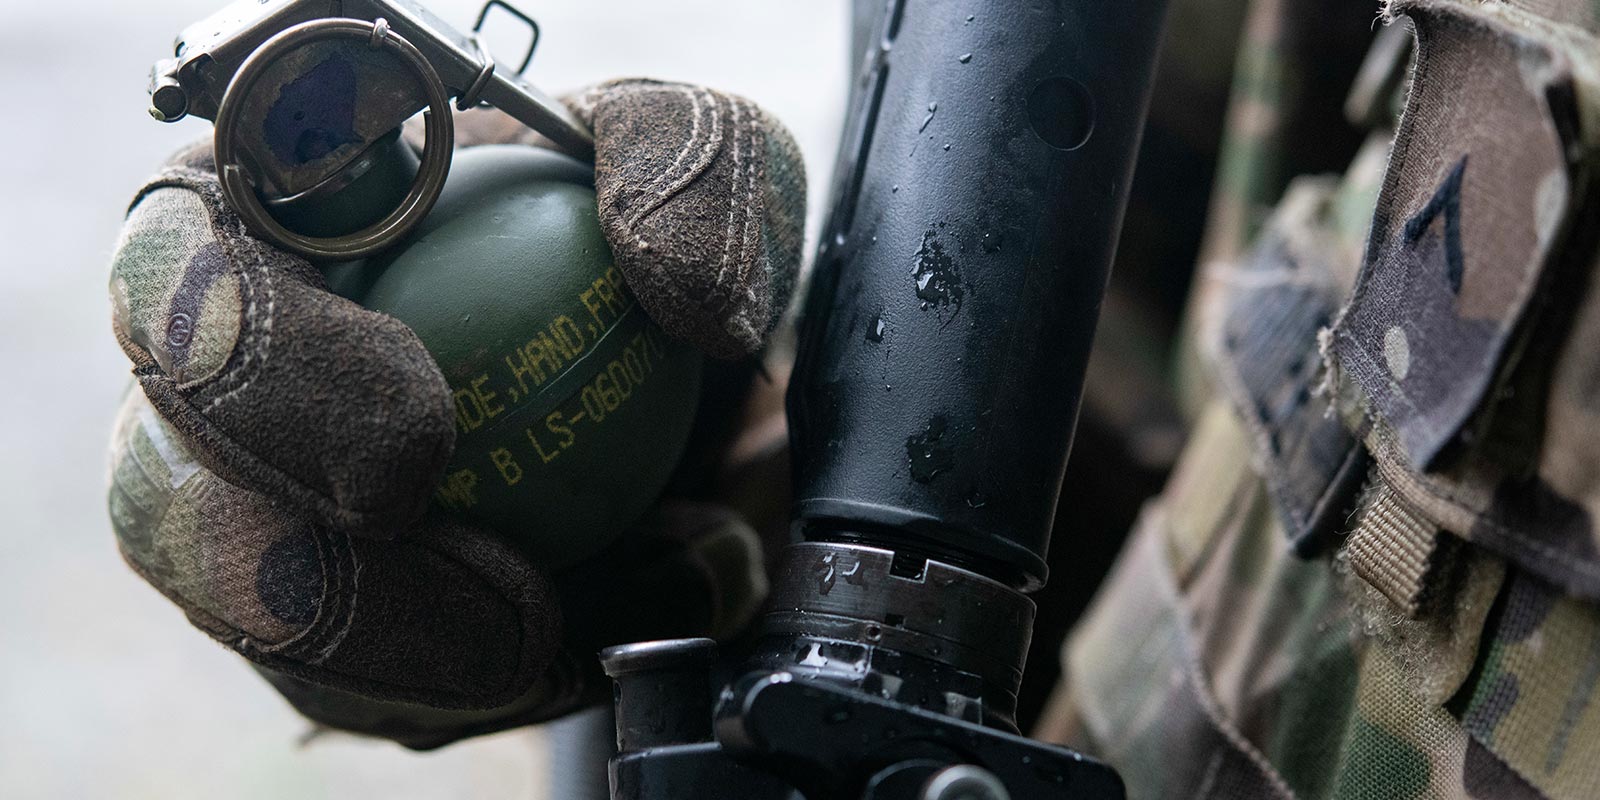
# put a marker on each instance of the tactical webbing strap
(1393, 547)
(1458, 340)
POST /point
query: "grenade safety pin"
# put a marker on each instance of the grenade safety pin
(308, 96)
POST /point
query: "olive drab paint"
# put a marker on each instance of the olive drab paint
(571, 407)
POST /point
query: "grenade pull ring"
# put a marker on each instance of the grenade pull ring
(309, 100)
(241, 193)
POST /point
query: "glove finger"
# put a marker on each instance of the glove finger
(686, 569)
(422, 727)
(279, 385)
(702, 196)
(443, 615)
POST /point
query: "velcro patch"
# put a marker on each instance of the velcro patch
(1477, 193)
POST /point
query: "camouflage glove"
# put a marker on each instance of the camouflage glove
(702, 196)
(272, 477)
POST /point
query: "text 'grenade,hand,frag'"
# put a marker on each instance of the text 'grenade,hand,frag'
(571, 407)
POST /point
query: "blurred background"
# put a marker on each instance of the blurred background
(105, 690)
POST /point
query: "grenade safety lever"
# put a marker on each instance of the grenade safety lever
(308, 96)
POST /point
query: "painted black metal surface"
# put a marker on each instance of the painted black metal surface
(829, 737)
(978, 196)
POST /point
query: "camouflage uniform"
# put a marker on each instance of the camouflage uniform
(1374, 571)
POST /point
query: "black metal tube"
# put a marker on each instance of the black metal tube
(662, 692)
(977, 201)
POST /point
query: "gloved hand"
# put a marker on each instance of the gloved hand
(272, 477)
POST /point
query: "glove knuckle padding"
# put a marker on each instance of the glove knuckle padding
(702, 196)
(444, 615)
(279, 385)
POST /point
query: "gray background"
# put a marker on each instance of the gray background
(104, 689)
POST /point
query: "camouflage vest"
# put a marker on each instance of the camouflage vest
(1375, 570)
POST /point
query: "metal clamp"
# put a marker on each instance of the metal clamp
(425, 188)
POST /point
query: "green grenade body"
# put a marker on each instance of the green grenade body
(572, 407)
